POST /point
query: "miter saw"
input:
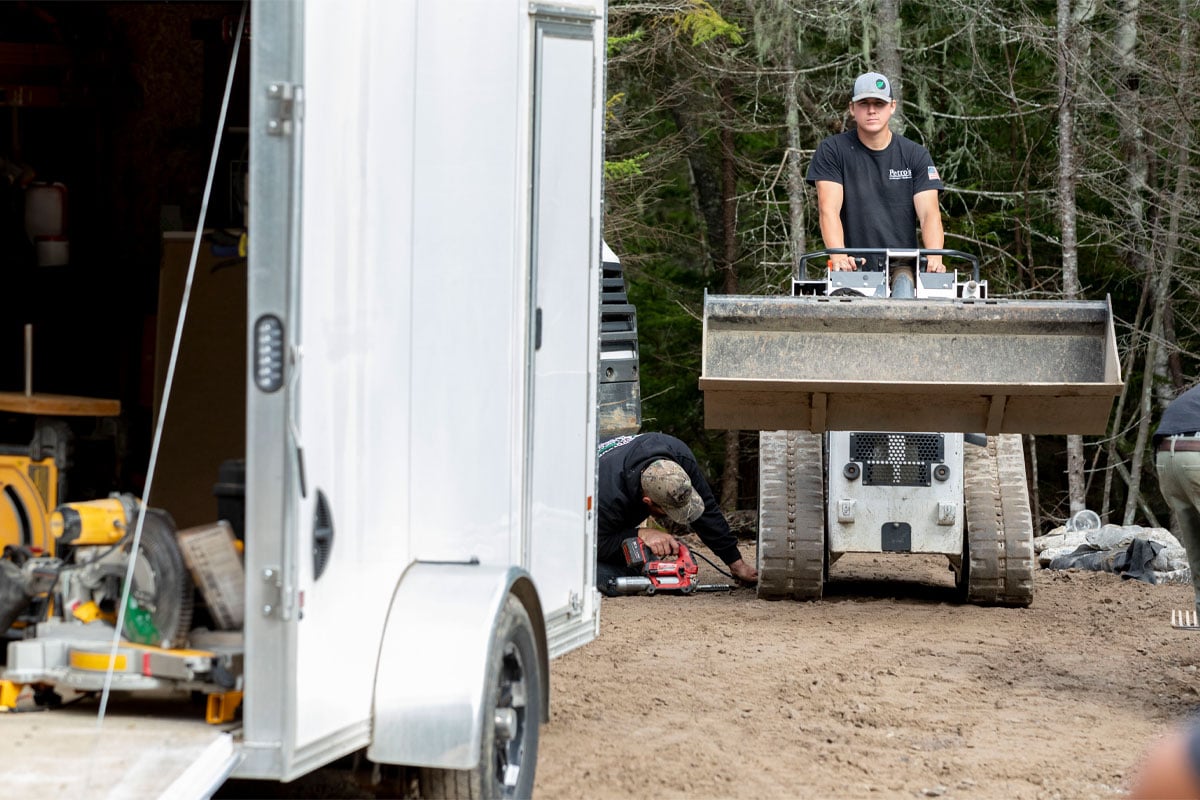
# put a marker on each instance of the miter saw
(81, 576)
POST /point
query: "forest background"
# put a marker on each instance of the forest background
(1064, 131)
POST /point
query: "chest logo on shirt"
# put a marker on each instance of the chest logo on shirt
(899, 174)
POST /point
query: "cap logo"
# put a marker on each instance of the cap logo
(879, 84)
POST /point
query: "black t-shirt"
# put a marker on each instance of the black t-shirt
(878, 187)
(1181, 416)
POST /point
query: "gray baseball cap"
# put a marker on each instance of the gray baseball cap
(871, 84)
(671, 489)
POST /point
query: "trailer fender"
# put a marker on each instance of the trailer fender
(433, 661)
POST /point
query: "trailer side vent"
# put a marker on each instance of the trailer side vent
(322, 535)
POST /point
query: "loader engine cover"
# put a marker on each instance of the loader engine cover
(895, 503)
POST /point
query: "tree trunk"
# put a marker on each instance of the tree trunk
(1114, 456)
(729, 476)
(795, 175)
(887, 55)
(1067, 214)
(1145, 402)
(1164, 256)
(1035, 499)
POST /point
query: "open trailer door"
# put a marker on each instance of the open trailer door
(563, 340)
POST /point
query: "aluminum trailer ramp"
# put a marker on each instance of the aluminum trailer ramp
(148, 748)
(989, 366)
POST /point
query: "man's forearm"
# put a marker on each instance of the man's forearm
(831, 231)
(933, 236)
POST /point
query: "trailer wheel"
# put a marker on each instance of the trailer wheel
(791, 515)
(512, 712)
(997, 559)
(162, 587)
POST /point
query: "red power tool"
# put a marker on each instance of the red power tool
(677, 574)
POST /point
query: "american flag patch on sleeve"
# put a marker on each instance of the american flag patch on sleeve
(933, 175)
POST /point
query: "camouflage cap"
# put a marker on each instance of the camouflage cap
(665, 483)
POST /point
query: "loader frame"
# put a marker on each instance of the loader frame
(843, 379)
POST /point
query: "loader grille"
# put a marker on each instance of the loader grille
(897, 459)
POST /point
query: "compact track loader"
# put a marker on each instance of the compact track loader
(890, 402)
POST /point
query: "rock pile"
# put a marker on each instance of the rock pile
(1152, 555)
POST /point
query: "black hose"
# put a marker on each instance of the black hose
(712, 564)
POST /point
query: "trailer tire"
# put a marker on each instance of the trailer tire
(997, 559)
(511, 715)
(791, 515)
(161, 582)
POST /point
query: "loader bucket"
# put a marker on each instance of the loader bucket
(990, 366)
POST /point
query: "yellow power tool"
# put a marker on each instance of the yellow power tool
(31, 482)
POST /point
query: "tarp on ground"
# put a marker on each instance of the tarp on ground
(1152, 555)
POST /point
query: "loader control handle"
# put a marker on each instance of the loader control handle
(889, 254)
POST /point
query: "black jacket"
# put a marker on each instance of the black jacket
(620, 496)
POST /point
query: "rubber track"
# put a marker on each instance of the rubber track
(999, 523)
(791, 515)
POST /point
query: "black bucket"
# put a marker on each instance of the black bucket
(230, 491)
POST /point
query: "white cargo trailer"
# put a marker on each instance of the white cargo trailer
(424, 248)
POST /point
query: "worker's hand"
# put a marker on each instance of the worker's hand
(744, 572)
(934, 264)
(661, 543)
(840, 262)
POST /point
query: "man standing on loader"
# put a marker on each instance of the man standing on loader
(656, 475)
(873, 185)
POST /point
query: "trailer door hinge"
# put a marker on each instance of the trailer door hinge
(284, 101)
(576, 604)
(272, 590)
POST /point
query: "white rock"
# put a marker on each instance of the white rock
(1183, 576)
(1113, 537)
(1170, 558)
(1059, 537)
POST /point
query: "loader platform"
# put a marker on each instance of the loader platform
(849, 362)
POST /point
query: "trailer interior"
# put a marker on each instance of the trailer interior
(110, 112)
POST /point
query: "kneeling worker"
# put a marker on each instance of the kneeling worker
(656, 475)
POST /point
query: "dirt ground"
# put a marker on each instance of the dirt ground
(884, 688)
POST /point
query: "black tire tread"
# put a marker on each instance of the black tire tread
(998, 557)
(791, 515)
(449, 784)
